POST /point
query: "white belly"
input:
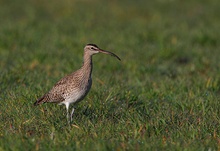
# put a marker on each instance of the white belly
(78, 94)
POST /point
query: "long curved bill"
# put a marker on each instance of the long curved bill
(109, 53)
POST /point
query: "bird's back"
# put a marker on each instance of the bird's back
(72, 88)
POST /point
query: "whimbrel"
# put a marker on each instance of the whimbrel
(75, 86)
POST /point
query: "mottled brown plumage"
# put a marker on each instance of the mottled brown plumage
(75, 86)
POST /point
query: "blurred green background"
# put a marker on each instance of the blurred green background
(163, 95)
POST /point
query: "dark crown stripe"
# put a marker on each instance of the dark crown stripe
(92, 45)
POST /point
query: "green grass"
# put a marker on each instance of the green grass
(163, 95)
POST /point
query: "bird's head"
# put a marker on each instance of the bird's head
(94, 49)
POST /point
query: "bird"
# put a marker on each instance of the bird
(74, 87)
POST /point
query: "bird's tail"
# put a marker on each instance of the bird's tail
(40, 100)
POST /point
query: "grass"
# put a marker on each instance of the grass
(163, 95)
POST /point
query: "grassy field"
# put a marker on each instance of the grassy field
(163, 95)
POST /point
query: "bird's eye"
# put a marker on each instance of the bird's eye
(93, 48)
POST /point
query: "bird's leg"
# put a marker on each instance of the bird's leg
(67, 114)
(71, 115)
(67, 117)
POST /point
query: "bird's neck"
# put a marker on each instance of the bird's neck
(87, 64)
